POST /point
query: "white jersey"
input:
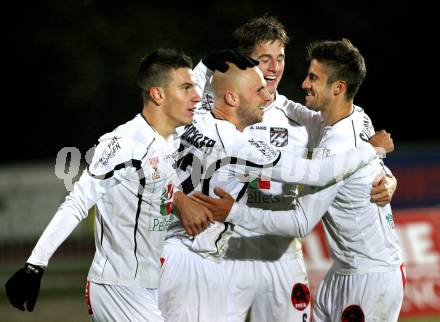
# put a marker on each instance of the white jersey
(292, 168)
(286, 135)
(361, 235)
(129, 180)
(215, 154)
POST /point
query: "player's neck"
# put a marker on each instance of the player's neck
(157, 122)
(223, 115)
(336, 111)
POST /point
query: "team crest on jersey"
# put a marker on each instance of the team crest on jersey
(279, 136)
(154, 163)
(300, 296)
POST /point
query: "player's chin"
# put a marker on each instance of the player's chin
(188, 119)
(272, 87)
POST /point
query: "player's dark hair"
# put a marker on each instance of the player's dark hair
(154, 69)
(259, 30)
(343, 61)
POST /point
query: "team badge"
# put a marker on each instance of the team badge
(353, 313)
(300, 296)
(154, 163)
(278, 136)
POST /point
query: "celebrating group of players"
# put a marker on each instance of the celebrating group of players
(177, 235)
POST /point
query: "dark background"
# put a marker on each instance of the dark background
(70, 67)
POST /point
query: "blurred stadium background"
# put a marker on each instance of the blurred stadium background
(71, 77)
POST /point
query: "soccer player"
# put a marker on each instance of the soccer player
(215, 151)
(366, 281)
(130, 181)
(265, 271)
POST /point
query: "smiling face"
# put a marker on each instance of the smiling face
(180, 97)
(271, 56)
(318, 91)
(253, 97)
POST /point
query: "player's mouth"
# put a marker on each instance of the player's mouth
(309, 93)
(310, 97)
(270, 79)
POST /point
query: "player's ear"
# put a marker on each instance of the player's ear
(157, 95)
(231, 98)
(340, 87)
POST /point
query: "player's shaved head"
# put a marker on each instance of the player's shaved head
(239, 95)
(234, 79)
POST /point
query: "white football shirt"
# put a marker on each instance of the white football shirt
(361, 235)
(130, 181)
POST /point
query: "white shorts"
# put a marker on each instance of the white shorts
(272, 291)
(107, 303)
(192, 288)
(360, 297)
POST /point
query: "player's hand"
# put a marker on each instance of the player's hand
(216, 60)
(383, 190)
(219, 208)
(24, 286)
(382, 140)
(194, 217)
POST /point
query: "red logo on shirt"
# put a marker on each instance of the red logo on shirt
(300, 296)
(263, 184)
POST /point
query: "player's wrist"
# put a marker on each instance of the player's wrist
(34, 270)
(234, 213)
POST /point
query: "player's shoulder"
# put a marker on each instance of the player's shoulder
(347, 132)
(126, 143)
(255, 152)
(111, 152)
(229, 136)
(202, 133)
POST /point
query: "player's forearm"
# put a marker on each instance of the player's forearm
(73, 210)
(59, 228)
(280, 223)
(324, 171)
(297, 222)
